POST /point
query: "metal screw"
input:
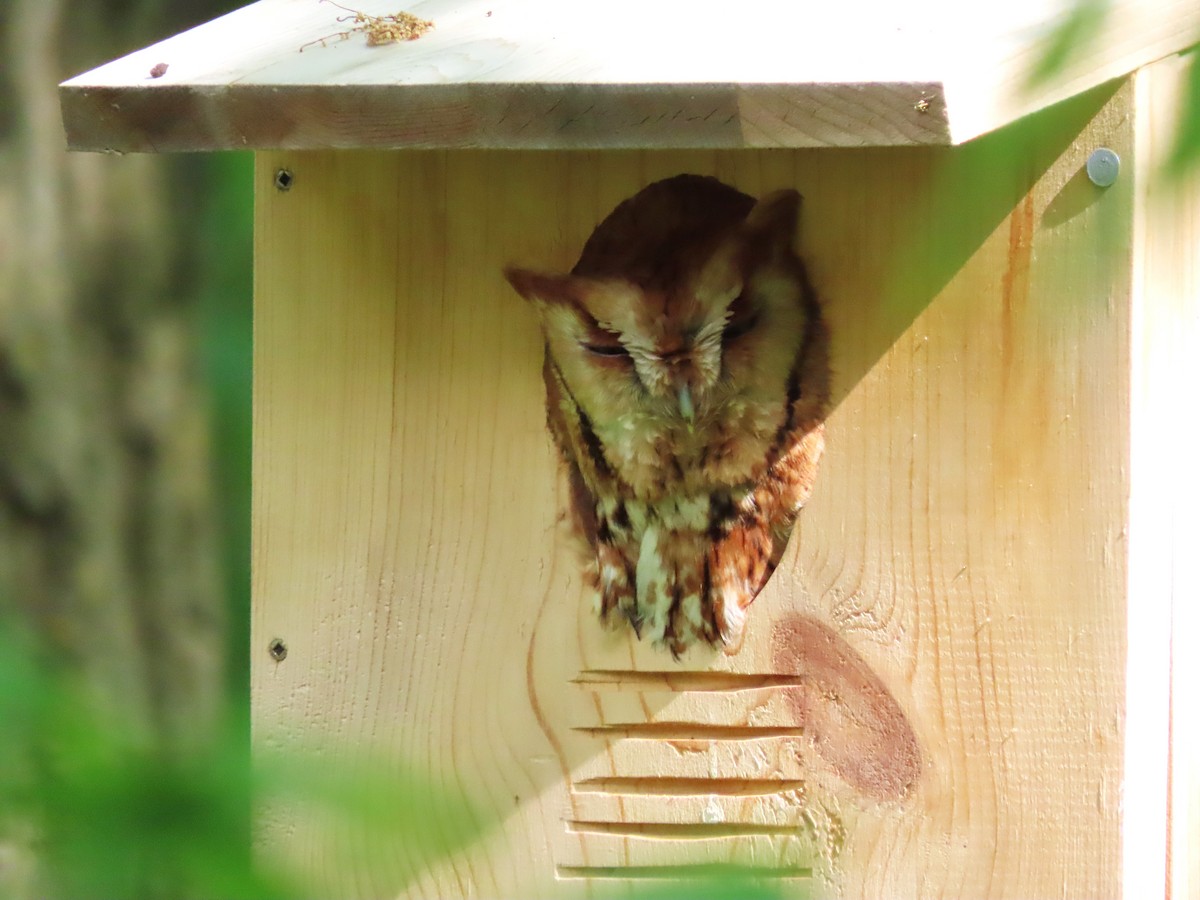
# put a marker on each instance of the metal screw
(278, 650)
(1103, 166)
(284, 179)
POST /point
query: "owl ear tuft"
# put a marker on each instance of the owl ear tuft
(773, 219)
(543, 289)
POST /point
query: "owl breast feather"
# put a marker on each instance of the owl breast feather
(654, 457)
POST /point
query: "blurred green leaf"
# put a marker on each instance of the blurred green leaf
(223, 244)
(1077, 31)
(1186, 151)
(723, 886)
(110, 814)
(383, 821)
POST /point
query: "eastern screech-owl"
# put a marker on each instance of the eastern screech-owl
(686, 381)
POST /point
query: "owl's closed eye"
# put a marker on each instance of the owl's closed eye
(686, 376)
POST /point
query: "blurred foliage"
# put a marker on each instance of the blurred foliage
(1187, 141)
(105, 813)
(731, 886)
(223, 241)
(110, 815)
(1080, 28)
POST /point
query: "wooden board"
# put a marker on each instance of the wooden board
(1163, 779)
(551, 75)
(962, 563)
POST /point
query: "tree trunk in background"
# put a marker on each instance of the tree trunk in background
(107, 542)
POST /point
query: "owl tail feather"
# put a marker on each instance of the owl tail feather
(733, 624)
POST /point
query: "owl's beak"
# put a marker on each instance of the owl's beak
(685, 403)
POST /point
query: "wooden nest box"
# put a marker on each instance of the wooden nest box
(958, 681)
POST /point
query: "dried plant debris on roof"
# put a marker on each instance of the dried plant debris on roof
(401, 26)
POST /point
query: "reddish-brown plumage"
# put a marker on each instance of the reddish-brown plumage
(686, 382)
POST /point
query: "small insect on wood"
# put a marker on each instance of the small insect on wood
(379, 30)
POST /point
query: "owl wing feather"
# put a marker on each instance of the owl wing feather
(607, 549)
(748, 546)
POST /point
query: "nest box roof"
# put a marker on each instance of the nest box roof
(561, 74)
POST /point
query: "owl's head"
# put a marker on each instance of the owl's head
(688, 294)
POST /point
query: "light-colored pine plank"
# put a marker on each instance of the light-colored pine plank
(547, 74)
(1163, 780)
(965, 545)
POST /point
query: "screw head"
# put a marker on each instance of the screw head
(1103, 166)
(278, 650)
(284, 179)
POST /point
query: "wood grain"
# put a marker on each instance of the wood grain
(966, 542)
(541, 74)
